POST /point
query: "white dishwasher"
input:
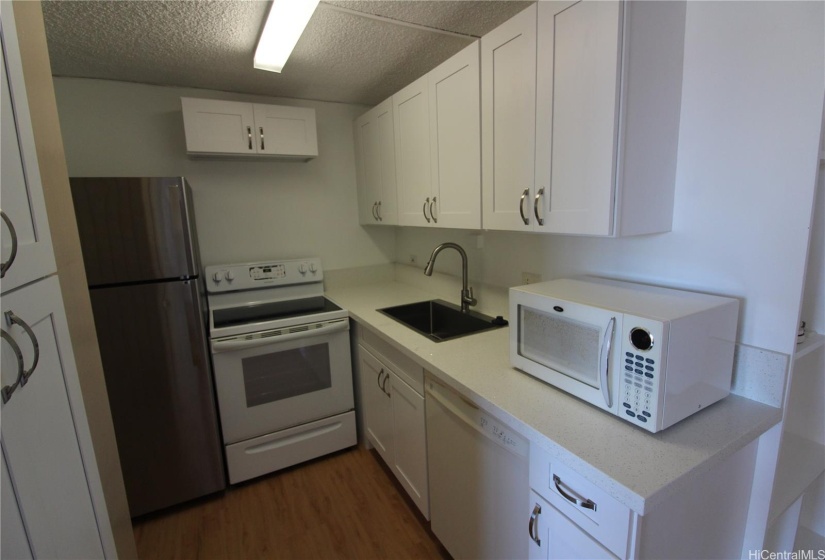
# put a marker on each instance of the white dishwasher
(479, 478)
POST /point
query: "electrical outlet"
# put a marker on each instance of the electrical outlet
(413, 259)
(530, 278)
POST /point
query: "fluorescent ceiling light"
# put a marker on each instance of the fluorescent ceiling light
(284, 25)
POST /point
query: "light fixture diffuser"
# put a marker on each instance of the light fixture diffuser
(284, 25)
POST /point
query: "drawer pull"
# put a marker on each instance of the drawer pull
(534, 522)
(573, 496)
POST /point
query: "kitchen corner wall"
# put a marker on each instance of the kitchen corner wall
(246, 210)
(748, 154)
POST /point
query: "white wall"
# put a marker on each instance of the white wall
(750, 124)
(245, 210)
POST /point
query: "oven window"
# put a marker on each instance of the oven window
(289, 373)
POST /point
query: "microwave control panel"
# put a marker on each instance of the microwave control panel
(639, 384)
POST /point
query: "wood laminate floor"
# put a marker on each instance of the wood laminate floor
(346, 505)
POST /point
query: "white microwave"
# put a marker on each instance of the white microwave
(650, 355)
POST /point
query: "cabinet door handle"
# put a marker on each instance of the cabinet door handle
(536, 207)
(6, 265)
(533, 527)
(521, 207)
(8, 390)
(384, 384)
(573, 496)
(378, 380)
(13, 319)
(249, 135)
(380, 219)
(261, 130)
(426, 203)
(374, 215)
(432, 214)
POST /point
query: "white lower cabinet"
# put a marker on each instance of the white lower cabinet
(42, 423)
(376, 397)
(553, 536)
(570, 517)
(393, 415)
(13, 541)
(410, 441)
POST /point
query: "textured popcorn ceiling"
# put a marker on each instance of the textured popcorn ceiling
(342, 56)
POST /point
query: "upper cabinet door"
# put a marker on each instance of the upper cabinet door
(24, 232)
(508, 96)
(608, 110)
(411, 110)
(215, 126)
(455, 140)
(285, 131)
(231, 128)
(577, 115)
(375, 166)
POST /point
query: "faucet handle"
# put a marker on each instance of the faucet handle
(468, 298)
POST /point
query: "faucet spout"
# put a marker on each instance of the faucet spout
(467, 298)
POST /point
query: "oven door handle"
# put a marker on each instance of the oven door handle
(241, 342)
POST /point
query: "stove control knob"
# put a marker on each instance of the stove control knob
(229, 275)
(217, 277)
(313, 268)
(302, 268)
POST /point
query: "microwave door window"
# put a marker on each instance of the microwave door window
(285, 374)
(565, 345)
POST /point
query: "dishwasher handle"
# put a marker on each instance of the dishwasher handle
(470, 414)
(277, 336)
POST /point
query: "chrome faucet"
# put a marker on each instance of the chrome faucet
(467, 298)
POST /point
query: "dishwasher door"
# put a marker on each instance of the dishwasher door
(479, 478)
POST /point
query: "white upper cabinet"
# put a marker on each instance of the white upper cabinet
(24, 232)
(508, 101)
(375, 165)
(229, 128)
(411, 110)
(607, 88)
(437, 143)
(455, 141)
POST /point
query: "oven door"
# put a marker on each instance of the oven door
(271, 380)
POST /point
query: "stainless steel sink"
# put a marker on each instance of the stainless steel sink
(439, 320)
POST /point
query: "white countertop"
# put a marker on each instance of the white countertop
(636, 467)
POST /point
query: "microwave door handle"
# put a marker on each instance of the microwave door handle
(604, 360)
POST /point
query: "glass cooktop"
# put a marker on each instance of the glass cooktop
(256, 313)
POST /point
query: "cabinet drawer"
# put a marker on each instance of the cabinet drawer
(406, 368)
(584, 503)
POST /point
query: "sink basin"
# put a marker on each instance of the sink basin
(440, 321)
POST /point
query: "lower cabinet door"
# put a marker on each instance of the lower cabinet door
(554, 537)
(376, 388)
(410, 442)
(39, 441)
(13, 540)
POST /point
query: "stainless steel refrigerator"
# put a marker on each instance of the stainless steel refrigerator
(141, 256)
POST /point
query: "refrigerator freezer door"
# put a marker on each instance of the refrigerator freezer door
(135, 229)
(158, 376)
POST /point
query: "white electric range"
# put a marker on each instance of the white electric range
(281, 356)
